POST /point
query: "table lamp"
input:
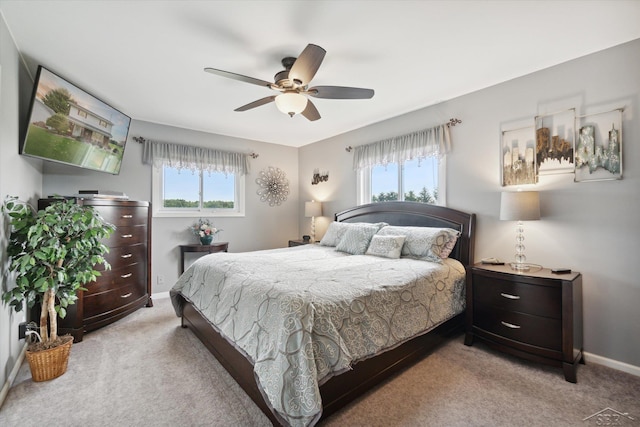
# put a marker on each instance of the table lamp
(520, 206)
(313, 209)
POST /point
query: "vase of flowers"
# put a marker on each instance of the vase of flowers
(205, 231)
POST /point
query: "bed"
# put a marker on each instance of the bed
(305, 341)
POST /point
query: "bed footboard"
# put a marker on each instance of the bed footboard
(339, 390)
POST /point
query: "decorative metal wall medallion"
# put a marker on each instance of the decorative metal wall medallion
(274, 186)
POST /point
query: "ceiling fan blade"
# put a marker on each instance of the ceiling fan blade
(307, 64)
(340, 92)
(311, 112)
(257, 103)
(240, 77)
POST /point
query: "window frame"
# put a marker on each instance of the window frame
(363, 183)
(158, 209)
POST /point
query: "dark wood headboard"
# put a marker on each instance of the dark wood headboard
(419, 215)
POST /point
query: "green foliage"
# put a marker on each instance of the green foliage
(180, 203)
(208, 204)
(56, 248)
(422, 197)
(58, 100)
(218, 204)
(59, 122)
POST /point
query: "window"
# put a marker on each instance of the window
(408, 167)
(195, 181)
(186, 193)
(412, 180)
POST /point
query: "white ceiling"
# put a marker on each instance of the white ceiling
(146, 58)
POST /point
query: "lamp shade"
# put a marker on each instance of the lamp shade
(291, 102)
(312, 208)
(520, 206)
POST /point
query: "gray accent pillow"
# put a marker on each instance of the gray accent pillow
(424, 243)
(386, 246)
(356, 239)
(336, 230)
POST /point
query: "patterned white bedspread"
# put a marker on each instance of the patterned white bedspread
(307, 313)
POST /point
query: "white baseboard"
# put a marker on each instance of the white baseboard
(610, 363)
(12, 376)
(160, 295)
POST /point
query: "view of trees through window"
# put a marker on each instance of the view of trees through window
(416, 180)
(182, 189)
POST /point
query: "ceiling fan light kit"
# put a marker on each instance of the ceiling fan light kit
(293, 82)
(291, 102)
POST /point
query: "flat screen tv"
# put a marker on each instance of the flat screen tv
(68, 125)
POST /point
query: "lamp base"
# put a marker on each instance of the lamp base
(520, 266)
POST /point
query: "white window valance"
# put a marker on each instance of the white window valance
(181, 156)
(432, 142)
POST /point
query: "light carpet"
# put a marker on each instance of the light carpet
(145, 370)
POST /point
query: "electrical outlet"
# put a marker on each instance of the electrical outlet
(160, 280)
(22, 330)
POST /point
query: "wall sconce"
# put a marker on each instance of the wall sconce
(319, 177)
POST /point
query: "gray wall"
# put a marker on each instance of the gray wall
(591, 227)
(262, 227)
(19, 176)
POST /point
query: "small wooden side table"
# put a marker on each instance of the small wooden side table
(213, 247)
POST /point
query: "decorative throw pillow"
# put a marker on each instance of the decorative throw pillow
(425, 243)
(356, 239)
(334, 233)
(386, 246)
(336, 230)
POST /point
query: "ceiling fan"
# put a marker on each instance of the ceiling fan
(293, 83)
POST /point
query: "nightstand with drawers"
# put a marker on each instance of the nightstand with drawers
(535, 315)
(299, 242)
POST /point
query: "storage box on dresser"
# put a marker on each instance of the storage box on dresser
(126, 286)
(536, 315)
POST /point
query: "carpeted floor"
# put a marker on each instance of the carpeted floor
(147, 371)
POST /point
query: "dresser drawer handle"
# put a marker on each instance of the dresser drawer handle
(510, 325)
(125, 276)
(509, 296)
(127, 216)
(126, 295)
(126, 256)
(126, 236)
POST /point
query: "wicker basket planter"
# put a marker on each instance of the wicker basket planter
(48, 364)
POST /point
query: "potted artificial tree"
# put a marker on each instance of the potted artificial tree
(53, 253)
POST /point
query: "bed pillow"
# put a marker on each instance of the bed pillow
(386, 246)
(356, 238)
(424, 243)
(336, 231)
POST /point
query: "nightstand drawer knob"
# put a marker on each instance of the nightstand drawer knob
(509, 296)
(510, 325)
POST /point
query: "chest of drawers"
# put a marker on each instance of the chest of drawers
(535, 315)
(127, 285)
